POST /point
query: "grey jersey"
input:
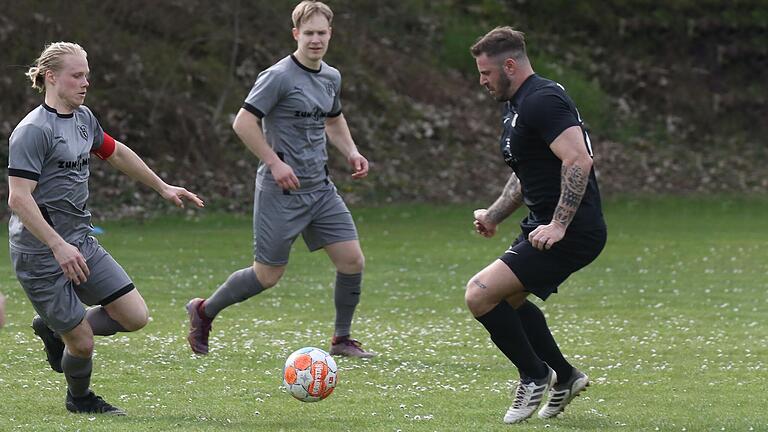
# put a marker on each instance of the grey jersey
(293, 102)
(54, 150)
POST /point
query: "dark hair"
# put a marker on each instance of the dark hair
(501, 40)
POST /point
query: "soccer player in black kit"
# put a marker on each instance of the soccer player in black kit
(548, 149)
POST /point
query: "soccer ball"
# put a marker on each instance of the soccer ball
(310, 374)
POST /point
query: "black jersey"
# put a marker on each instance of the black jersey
(538, 113)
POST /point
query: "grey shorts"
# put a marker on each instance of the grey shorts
(59, 301)
(321, 217)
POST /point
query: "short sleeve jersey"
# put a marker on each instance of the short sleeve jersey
(536, 115)
(293, 102)
(54, 150)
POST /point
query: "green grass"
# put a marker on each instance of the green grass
(669, 323)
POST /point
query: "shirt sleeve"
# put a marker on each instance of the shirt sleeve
(97, 131)
(265, 94)
(336, 109)
(549, 114)
(27, 148)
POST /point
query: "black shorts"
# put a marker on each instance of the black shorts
(542, 271)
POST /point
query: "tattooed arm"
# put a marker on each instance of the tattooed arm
(569, 146)
(511, 199)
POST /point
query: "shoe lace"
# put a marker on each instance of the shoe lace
(522, 394)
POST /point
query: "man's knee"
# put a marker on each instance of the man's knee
(358, 263)
(352, 265)
(136, 320)
(268, 276)
(80, 346)
(129, 311)
(477, 301)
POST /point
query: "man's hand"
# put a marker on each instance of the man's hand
(482, 225)
(359, 164)
(177, 195)
(544, 236)
(72, 262)
(284, 176)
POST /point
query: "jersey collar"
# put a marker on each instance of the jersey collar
(298, 63)
(53, 110)
(523, 89)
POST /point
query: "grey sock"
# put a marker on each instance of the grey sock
(346, 297)
(78, 373)
(241, 285)
(101, 323)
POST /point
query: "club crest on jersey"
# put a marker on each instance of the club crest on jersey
(329, 89)
(83, 131)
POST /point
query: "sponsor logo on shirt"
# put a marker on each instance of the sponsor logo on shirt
(76, 165)
(315, 114)
(83, 131)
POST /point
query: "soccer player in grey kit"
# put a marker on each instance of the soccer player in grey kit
(284, 122)
(59, 265)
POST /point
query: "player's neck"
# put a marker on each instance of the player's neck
(59, 105)
(520, 79)
(307, 63)
(524, 75)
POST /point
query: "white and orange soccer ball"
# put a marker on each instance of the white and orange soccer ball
(310, 374)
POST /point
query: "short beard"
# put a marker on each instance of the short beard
(504, 88)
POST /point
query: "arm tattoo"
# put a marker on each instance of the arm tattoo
(511, 199)
(480, 284)
(573, 183)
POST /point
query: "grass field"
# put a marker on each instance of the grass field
(670, 324)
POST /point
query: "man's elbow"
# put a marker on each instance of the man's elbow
(14, 201)
(237, 127)
(242, 124)
(583, 161)
(583, 164)
(586, 162)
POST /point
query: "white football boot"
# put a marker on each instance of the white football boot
(528, 397)
(560, 395)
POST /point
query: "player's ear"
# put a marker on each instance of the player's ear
(509, 66)
(50, 76)
(295, 32)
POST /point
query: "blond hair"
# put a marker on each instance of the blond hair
(304, 11)
(51, 60)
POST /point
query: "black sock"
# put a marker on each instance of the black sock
(543, 343)
(506, 330)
